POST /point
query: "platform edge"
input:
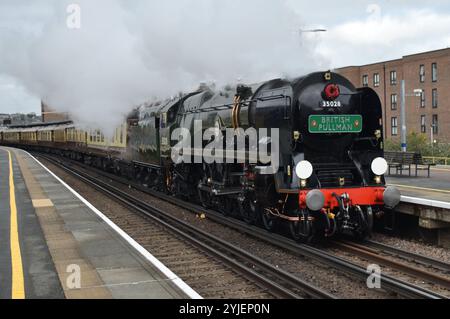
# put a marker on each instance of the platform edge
(184, 287)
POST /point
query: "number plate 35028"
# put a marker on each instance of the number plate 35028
(330, 104)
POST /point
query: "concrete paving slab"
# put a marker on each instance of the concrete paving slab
(74, 235)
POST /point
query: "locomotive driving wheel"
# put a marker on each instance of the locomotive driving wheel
(269, 220)
(249, 208)
(270, 200)
(227, 205)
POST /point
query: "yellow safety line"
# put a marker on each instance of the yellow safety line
(18, 288)
(421, 188)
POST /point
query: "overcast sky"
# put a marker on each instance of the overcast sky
(359, 32)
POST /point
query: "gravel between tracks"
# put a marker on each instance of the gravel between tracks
(393, 272)
(413, 246)
(208, 277)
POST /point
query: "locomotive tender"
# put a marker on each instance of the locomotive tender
(328, 147)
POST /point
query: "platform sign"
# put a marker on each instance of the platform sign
(335, 124)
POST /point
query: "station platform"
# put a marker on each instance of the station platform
(428, 199)
(54, 244)
(435, 188)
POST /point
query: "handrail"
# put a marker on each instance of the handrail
(438, 159)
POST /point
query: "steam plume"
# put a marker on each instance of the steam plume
(129, 52)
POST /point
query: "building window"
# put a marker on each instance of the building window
(393, 77)
(435, 124)
(435, 99)
(422, 73)
(394, 126)
(365, 80)
(376, 79)
(423, 124)
(422, 99)
(434, 72)
(393, 102)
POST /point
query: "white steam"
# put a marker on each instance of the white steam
(129, 52)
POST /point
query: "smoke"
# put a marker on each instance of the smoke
(129, 52)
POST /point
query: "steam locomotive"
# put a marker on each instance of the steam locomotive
(324, 139)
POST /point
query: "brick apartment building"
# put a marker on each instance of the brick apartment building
(49, 115)
(430, 72)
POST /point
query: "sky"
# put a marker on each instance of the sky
(127, 52)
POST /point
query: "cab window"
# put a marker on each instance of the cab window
(163, 120)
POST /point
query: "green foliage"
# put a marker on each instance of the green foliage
(420, 143)
(417, 143)
(439, 150)
(391, 145)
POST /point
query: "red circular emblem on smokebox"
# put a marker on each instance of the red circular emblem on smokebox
(332, 91)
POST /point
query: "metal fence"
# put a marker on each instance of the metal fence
(437, 160)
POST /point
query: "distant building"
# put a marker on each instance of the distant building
(429, 113)
(19, 119)
(50, 115)
(5, 119)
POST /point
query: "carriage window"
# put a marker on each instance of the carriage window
(163, 120)
(173, 113)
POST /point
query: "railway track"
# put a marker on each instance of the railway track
(383, 255)
(406, 255)
(277, 282)
(397, 286)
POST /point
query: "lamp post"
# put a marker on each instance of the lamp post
(312, 30)
(302, 31)
(433, 125)
(417, 93)
(432, 134)
(403, 118)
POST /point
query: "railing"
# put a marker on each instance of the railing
(437, 160)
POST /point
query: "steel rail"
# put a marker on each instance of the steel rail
(419, 259)
(389, 283)
(240, 260)
(374, 255)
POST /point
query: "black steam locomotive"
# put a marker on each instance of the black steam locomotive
(307, 151)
